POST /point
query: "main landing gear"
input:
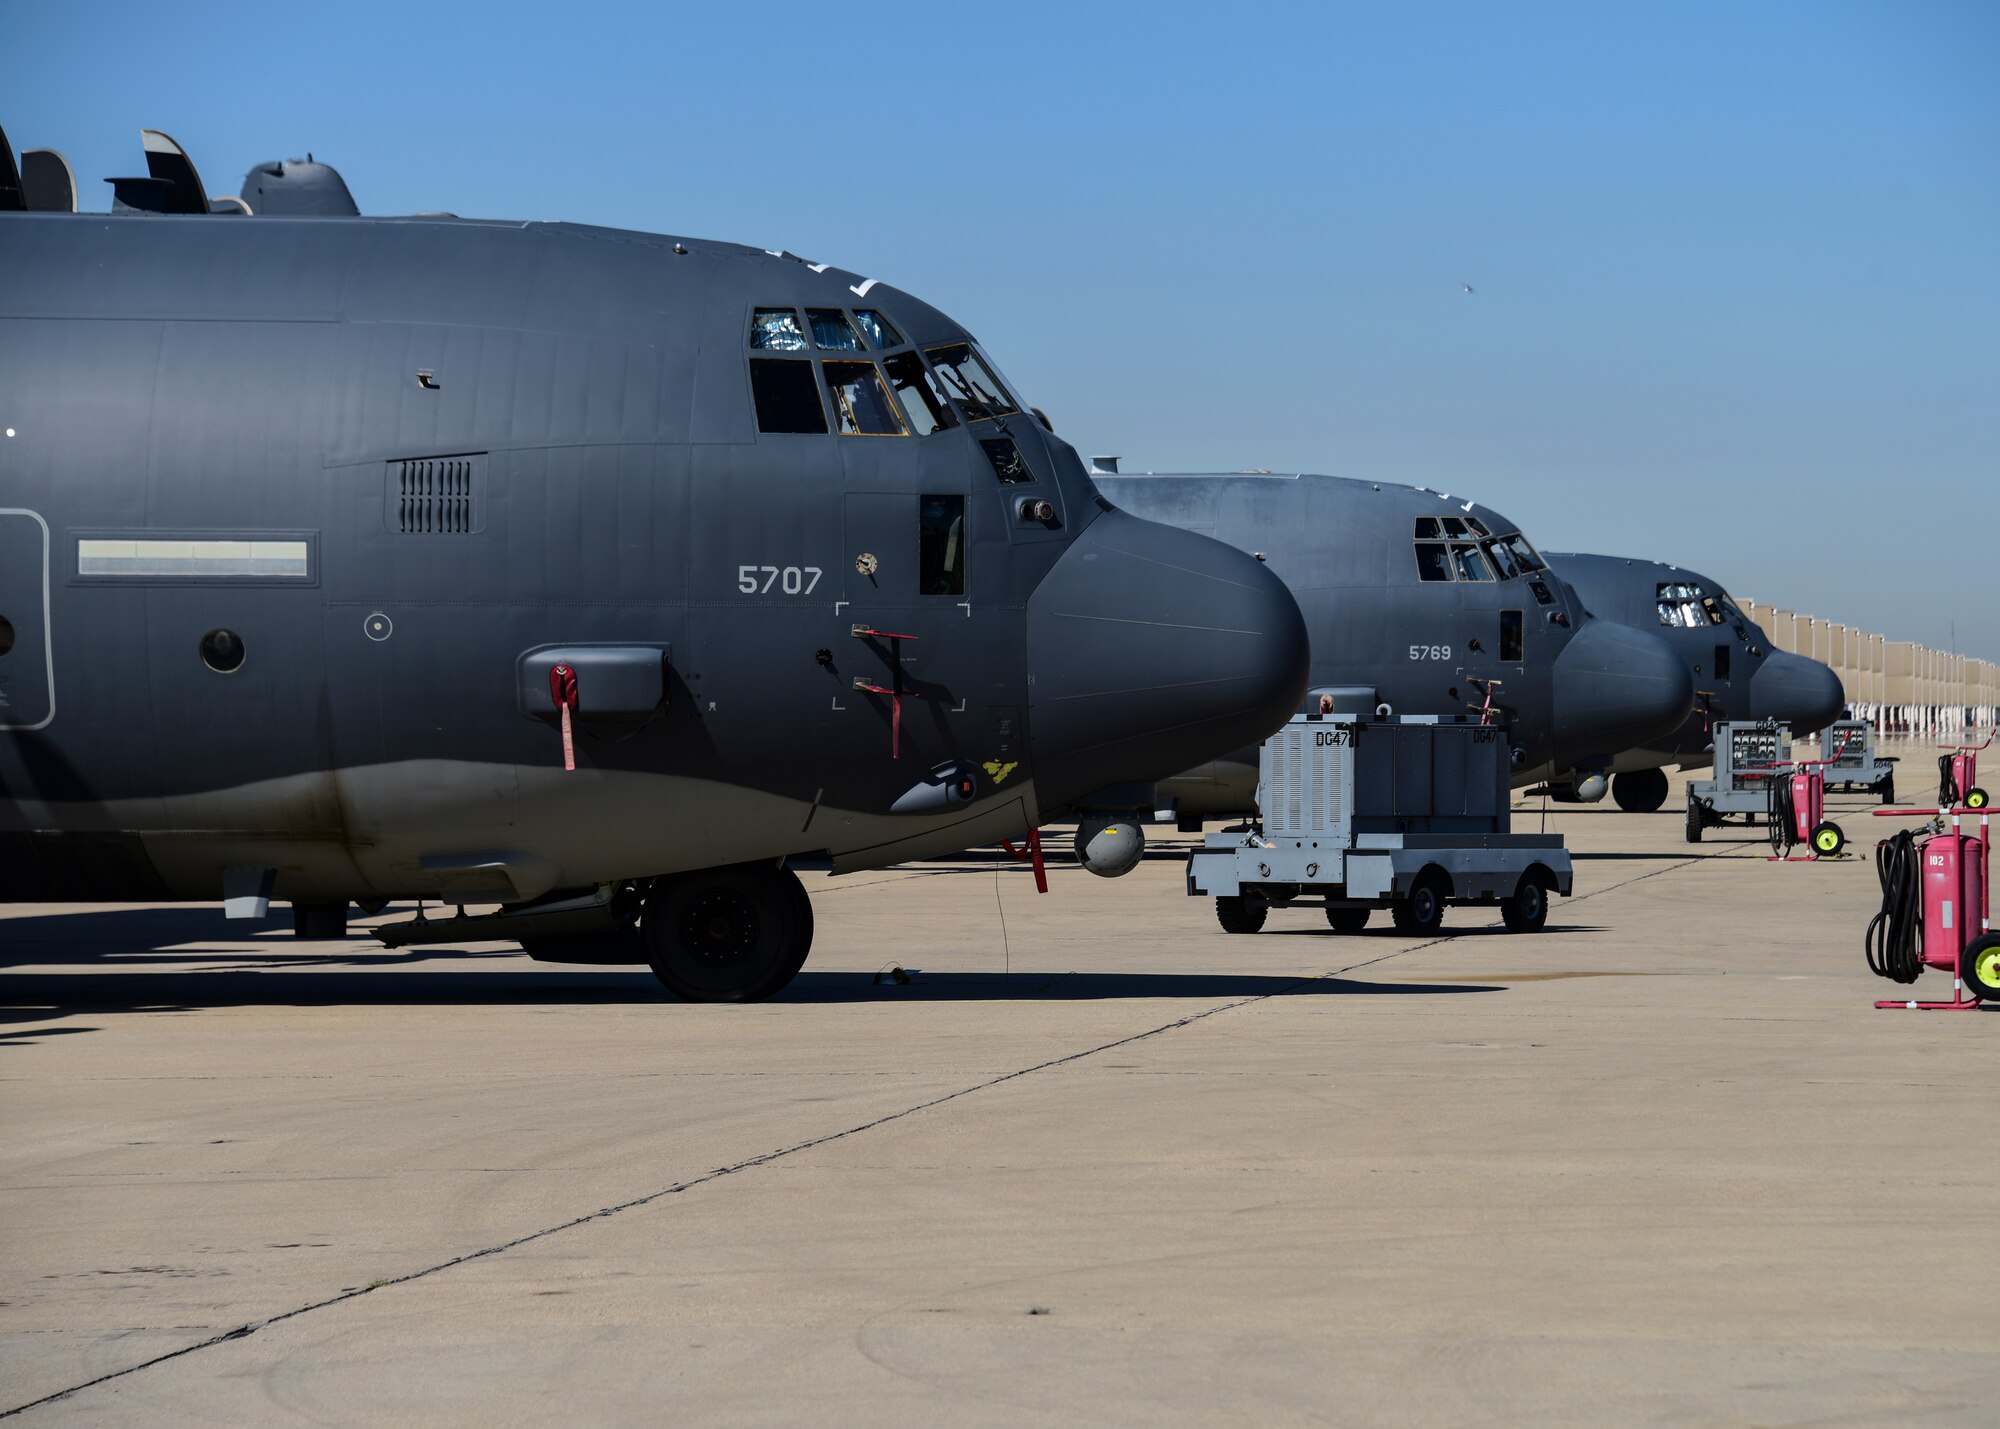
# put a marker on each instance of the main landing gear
(734, 934)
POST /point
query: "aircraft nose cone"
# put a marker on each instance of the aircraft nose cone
(1616, 688)
(1803, 693)
(1152, 650)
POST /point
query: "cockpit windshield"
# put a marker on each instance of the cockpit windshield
(970, 382)
(1500, 557)
(1686, 606)
(1469, 564)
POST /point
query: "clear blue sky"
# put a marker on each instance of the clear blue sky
(1735, 264)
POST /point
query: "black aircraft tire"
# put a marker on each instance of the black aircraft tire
(1347, 920)
(735, 934)
(1694, 821)
(625, 946)
(1241, 915)
(1527, 910)
(1979, 965)
(1422, 913)
(1643, 791)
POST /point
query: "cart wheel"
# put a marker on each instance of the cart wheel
(1422, 913)
(1889, 790)
(1528, 910)
(1241, 915)
(1347, 920)
(1979, 966)
(1828, 840)
(1975, 798)
(1694, 821)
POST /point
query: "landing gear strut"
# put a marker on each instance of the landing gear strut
(734, 934)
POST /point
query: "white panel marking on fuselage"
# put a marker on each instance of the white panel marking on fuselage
(860, 290)
(97, 556)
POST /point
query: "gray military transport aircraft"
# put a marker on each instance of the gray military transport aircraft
(1427, 603)
(596, 574)
(1737, 674)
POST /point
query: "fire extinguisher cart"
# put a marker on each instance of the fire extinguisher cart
(1937, 909)
(1958, 777)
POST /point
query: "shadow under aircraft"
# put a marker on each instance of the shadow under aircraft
(593, 573)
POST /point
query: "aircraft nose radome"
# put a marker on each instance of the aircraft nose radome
(1152, 650)
(1616, 688)
(1803, 693)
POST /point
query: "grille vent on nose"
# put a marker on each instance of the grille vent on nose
(438, 495)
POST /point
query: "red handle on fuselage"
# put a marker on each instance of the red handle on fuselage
(562, 690)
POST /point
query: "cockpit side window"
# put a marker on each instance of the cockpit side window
(924, 405)
(787, 397)
(1427, 528)
(777, 330)
(1470, 565)
(861, 405)
(1525, 555)
(971, 382)
(833, 332)
(1433, 563)
(880, 330)
(1478, 526)
(1512, 556)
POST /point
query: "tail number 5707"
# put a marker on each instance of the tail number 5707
(792, 580)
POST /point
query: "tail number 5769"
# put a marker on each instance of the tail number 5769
(792, 580)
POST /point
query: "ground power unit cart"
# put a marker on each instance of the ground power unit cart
(1849, 745)
(1744, 753)
(1406, 814)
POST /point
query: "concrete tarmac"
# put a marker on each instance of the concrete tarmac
(1096, 1161)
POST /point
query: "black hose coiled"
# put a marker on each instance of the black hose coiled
(1948, 791)
(1781, 813)
(1895, 937)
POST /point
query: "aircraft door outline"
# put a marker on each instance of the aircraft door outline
(26, 702)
